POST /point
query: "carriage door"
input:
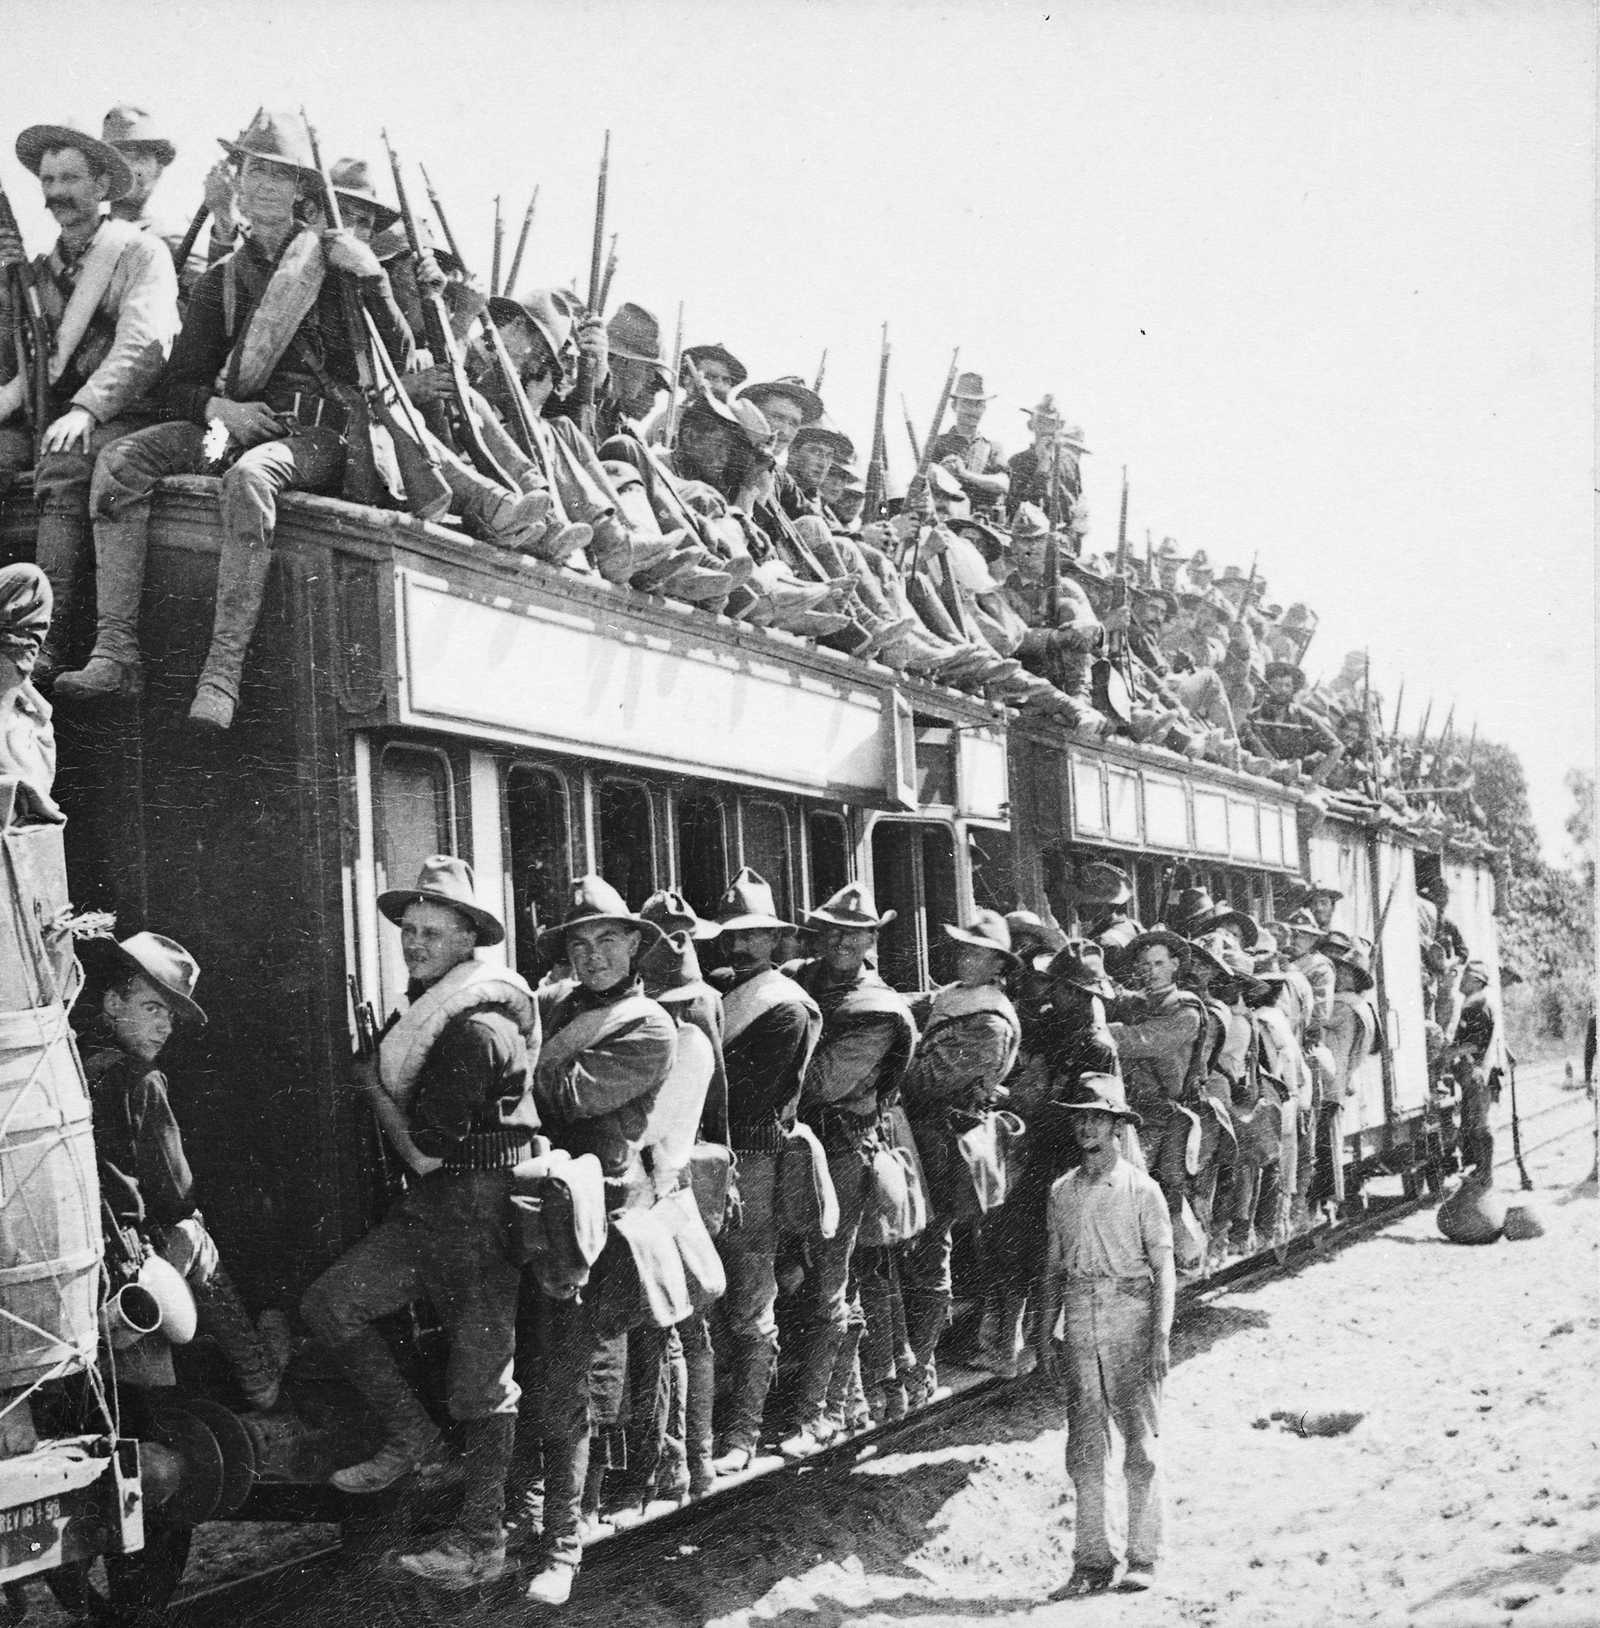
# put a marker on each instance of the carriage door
(914, 874)
(1398, 968)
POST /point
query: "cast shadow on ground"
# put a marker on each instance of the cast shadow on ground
(1536, 1574)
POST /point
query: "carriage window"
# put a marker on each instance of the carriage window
(914, 874)
(830, 852)
(415, 792)
(765, 827)
(626, 835)
(989, 854)
(703, 868)
(539, 844)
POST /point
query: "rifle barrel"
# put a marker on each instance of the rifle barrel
(441, 217)
(522, 243)
(499, 247)
(597, 246)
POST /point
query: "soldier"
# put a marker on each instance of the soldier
(865, 1048)
(720, 370)
(786, 404)
(970, 1035)
(451, 1089)
(1468, 1061)
(608, 1049)
(269, 323)
(27, 735)
(147, 152)
(1103, 895)
(975, 460)
(146, 1184)
(1351, 1038)
(111, 300)
(1281, 728)
(1048, 474)
(1158, 1047)
(1109, 1275)
(771, 1027)
(812, 453)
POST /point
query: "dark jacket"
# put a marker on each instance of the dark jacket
(145, 1178)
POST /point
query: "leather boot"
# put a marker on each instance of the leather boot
(114, 669)
(62, 545)
(241, 588)
(485, 1446)
(620, 554)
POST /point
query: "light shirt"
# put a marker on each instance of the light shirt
(1113, 1226)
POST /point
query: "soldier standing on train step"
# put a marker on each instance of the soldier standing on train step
(148, 984)
(1109, 1278)
(1468, 1061)
(970, 1036)
(608, 1050)
(771, 1027)
(265, 353)
(1103, 896)
(451, 1090)
(865, 1048)
(111, 301)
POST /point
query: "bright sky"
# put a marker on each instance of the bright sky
(1320, 275)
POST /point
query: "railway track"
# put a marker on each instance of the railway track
(306, 1590)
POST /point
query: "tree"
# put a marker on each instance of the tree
(1580, 825)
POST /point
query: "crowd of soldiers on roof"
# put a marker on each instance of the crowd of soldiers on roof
(738, 1177)
(314, 312)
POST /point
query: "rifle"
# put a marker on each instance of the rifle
(1149, 560)
(1249, 583)
(1311, 633)
(669, 434)
(180, 255)
(391, 1173)
(441, 217)
(30, 334)
(606, 276)
(1371, 729)
(1400, 701)
(927, 447)
(822, 372)
(911, 434)
(427, 496)
(441, 339)
(499, 246)
(1422, 735)
(586, 378)
(522, 243)
(1472, 745)
(878, 465)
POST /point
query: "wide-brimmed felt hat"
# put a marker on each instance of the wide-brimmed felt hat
(1207, 954)
(1169, 550)
(352, 179)
(790, 389)
(1298, 615)
(1071, 435)
(748, 905)
(1081, 963)
(1045, 409)
(849, 480)
(671, 912)
(1029, 523)
(550, 320)
(986, 931)
(1104, 884)
(1169, 600)
(718, 352)
(1199, 563)
(1176, 942)
(1232, 574)
(1190, 903)
(131, 130)
(1276, 669)
(1222, 914)
(989, 539)
(700, 403)
(837, 442)
(1100, 1094)
(943, 483)
(634, 335)
(444, 879)
(757, 429)
(969, 387)
(594, 899)
(162, 960)
(1302, 921)
(852, 906)
(38, 139)
(278, 135)
(1344, 951)
(1028, 926)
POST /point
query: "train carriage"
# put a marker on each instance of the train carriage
(411, 692)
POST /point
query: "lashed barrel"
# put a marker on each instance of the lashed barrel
(50, 1241)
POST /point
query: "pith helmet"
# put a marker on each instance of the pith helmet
(986, 931)
(38, 139)
(162, 960)
(748, 906)
(131, 130)
(444, 879)
(594, 899)
(852, 906)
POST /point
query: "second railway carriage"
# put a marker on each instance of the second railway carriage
(410, 692)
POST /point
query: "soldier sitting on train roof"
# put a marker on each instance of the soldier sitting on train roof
(137, 136)
(1302, 745)
(147, 985)
(268, 321)
(842, 498)
(975, 460)
(110, 299)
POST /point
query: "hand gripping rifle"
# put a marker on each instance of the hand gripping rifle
(30, 334)
(427, 496)
(391, 1174)
(878, 464)
(463, 423)
(519, 410)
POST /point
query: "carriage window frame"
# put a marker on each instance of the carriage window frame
(447, 800)
(816, 890)
(785, 889)
(917, 914)
(707, 794)
(651, 794)
(571, 793)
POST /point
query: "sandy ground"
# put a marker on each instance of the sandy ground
(1468, 1494)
